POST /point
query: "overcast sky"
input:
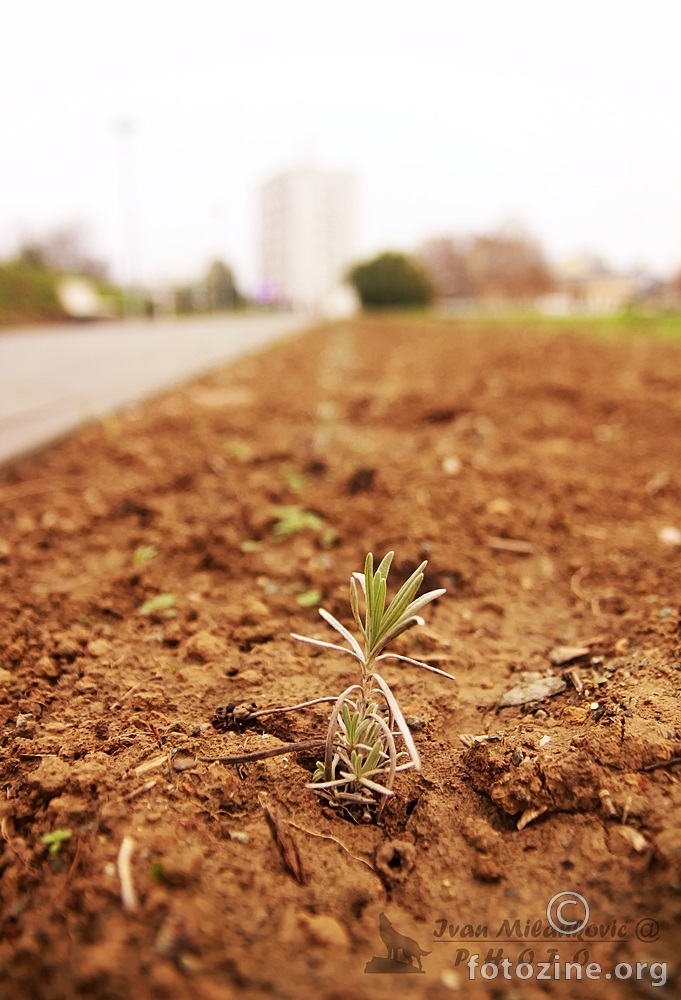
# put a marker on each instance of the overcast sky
(457, 117)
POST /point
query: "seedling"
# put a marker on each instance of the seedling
(309, 598)
(55, 840)
(163, 604)
(294, 480)
(250, 545)
(292, 519)
(361, 755)
(143, 554)
(238, 449)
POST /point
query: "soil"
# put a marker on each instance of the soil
(538, 473)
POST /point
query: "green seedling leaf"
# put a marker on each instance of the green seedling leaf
(56, 839)
(309, 598)
(164, 603)
(294, 480)
(239, 450)
(292, 519)
(250, 545)
(157, 873)
(143, 554)
(328, 539)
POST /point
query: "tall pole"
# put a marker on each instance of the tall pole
(128, 209)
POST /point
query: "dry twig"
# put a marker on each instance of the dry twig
(248, 758)
(284, 841)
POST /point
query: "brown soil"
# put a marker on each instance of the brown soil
(536, 473)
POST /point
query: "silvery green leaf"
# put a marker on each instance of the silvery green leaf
(421, 602)
(384, 567)
(373, 758)
(403, 625)
(416, 663)
(368, 783)
(404, 596)
(354, 604)
(368, 579)
(399, 720)
(316, 785)
(327, 645)
(334, 623)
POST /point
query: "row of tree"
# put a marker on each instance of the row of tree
(30, 283)
(508, 266)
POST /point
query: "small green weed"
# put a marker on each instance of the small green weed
(238, 449)
(143, 554)
(157, 873)
(309, 598)
(55, 840)
(292, 519)
(294, 480)
(163, 604)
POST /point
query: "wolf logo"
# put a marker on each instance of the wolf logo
(396, 943)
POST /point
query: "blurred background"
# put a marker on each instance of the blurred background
(207, 155)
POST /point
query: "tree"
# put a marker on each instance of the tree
(446, 264)
(390, 280)
(509, 265)
(220, 288)
(66, 250)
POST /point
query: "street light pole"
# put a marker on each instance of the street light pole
(128, 209)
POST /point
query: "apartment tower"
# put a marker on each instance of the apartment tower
(307, 237)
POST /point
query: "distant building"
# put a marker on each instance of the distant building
(307, 238)
(586, 285)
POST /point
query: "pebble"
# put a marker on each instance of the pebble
(203, 647)
(669, 536)
(451, 465)
(532, 687)
(25, 725)
(450, 979)
(326, 931)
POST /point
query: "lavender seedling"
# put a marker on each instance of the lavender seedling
(361, 755)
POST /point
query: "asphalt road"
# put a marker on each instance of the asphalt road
(54, 378)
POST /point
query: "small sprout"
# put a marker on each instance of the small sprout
(292, 519)
(250, 545)
(143, 554)
(157, 873)
(56, 839)
(309, 598)
(294, 480)
(362, 755)
(239, 450)
(328, 538)
(162, 603)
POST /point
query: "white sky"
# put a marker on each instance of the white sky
(457, 116)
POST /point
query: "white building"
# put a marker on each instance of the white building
(307, 238)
